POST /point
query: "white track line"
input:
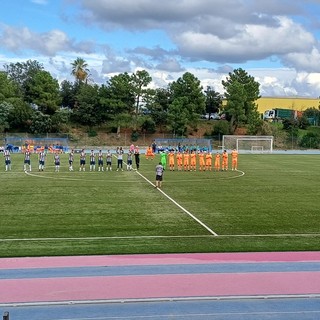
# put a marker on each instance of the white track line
(178, 205)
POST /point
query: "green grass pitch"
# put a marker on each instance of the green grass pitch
(270, 204)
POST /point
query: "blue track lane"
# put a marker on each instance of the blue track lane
(235, 309)
(163, 269)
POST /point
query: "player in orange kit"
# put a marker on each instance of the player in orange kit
(224, 166)
(234, 160)
(193, 161)
(149, 153)
(202, 164)
(179, 160)
(186, 157)
(217, 161)
(208, 157)
(171, 160)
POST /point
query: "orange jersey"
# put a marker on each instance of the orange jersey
(149, 152)
(234, 154)
(179, 158)
(217, 159)
(208, 159)
(171, 158)
(225, 157)
(201, 159)
(186, 157)
(193, 160)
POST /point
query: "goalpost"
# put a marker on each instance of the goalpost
(253, 144)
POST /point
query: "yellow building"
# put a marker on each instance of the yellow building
(294, 103)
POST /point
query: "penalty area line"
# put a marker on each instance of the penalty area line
(178, 205)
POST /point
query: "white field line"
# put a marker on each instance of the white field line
(178, 205)
(213, 178)
(241, 174)
(102, 238)
(287, 235)
(75, 179)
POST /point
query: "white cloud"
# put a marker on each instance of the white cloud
(48, 43)
(255, 42)
(304, 61)
(230, 31)
(217, 35)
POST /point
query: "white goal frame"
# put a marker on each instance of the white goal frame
(253, 144)
(257, 149)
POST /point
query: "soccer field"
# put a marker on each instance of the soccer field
(270, 204)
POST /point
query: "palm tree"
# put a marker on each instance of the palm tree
(80, 70)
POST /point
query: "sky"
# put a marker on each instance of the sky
(275, 41)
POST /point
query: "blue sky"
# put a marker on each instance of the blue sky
(276, 41)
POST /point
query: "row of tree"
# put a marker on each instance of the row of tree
(32, 100)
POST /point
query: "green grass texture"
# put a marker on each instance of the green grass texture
(270, 204)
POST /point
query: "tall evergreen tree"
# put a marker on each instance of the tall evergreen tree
(241, 92)
(43, 91)
(213, 101)
(23, 72)
(140, 80)
(187, 93)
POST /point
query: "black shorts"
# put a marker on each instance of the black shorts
(158, 178)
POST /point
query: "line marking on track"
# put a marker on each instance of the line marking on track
(170, 299)
(178, 205)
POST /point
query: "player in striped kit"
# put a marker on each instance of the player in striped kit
(42, 158)
(129, 161)
(71, 158)
(7, 159)
(92, 161)
(82, 160)
(100, 161)
(27, 160)
(109, 161)
(56, 158)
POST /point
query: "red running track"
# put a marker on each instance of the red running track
(154, 286)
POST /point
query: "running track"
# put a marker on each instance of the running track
(92, 279)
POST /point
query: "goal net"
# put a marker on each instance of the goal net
(253, 144)
(183, 144)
